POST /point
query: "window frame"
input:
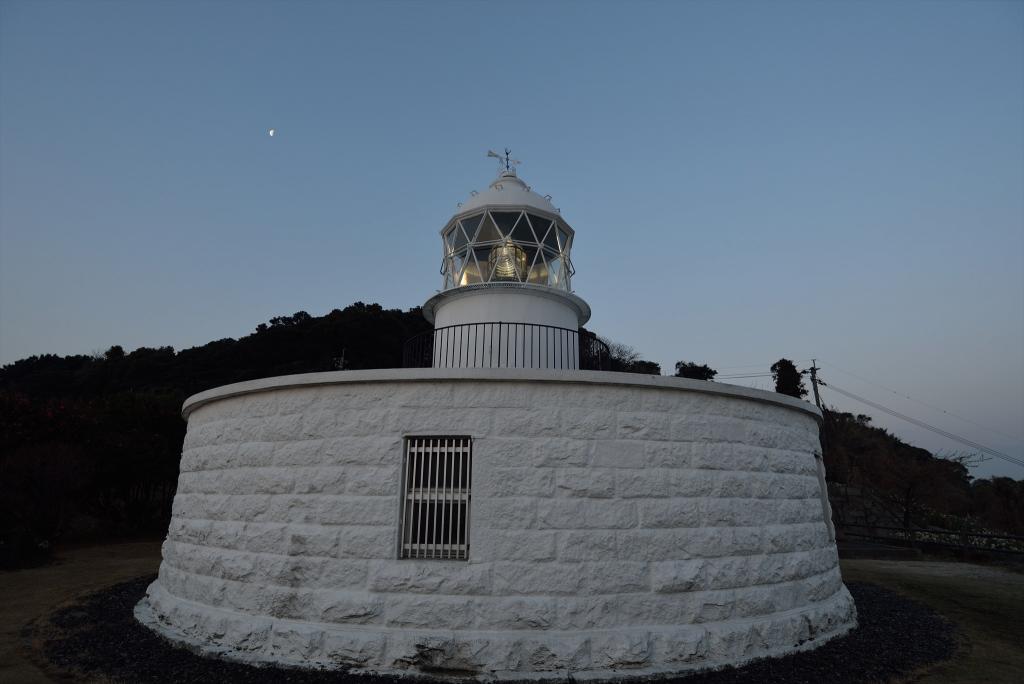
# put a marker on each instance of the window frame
(434, 517)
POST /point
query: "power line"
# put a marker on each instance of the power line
(948, 435)
(735, 377)
(923, 403)
(759, 365)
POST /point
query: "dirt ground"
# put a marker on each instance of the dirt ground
(28, 594)
(987, 604)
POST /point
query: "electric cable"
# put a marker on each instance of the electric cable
(923, 403)
(920, 423)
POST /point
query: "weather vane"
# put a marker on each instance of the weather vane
(506, 160)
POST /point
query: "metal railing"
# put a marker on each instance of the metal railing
(506, 345)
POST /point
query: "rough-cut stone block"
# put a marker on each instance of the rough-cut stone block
(356, 510)
(643, 425)
(517, 481)
(595, 483)
(676, 576)
(671, 513)
(320, 480)
(282, 428)
(588, 545)
(374, 480)
(588, 423)
(413, 612)
(290, 571)
(729, 456)
(499, 544)
(427, 577)
(618, 454)
(506, 512)
(297, 509)
(353, 649)
(348, 607)
(683, 645)
(668, 454)
(542, 422)
(537, 578)
(559, 452)
(647, 483)
(304, 453)
(343, 574)
(570, 514)
(519, 612)
(555, 653)
(313, 541)
(296, 641)
(317, 424)
(366, 542)
(627, 650)
(366, 450)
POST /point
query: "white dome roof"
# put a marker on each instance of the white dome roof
(510, 191)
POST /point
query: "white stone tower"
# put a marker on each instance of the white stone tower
(507, 297)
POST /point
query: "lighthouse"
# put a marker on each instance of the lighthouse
(506, 299)
(503, 507)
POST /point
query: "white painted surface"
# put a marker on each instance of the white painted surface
(417, 375)
(508, 190)
(620, 525)
(508, 304)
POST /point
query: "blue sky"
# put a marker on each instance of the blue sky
(747, 180)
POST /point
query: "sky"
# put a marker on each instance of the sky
(747, 181)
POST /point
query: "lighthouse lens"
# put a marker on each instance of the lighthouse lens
(508, 262)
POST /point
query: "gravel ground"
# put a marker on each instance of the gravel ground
(98, 639)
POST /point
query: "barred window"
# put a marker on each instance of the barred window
(435, 497)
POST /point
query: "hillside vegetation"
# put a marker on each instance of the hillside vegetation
(922, 489)
(89, 445)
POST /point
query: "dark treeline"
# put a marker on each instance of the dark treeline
(90, 445)
(923, 489)
(368, 336)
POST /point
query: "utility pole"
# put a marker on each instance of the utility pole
(826, 505)
(814, 382)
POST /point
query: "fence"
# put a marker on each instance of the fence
(938, 539)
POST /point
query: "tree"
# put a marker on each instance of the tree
(788, 379)
(689, 369)
(625, 359)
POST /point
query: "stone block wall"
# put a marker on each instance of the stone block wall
(617, 527)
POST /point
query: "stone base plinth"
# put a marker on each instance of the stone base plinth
(621, 525)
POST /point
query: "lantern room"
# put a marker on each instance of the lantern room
(500, 243)
(506, 296)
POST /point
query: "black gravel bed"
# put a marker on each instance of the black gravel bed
(98, 638)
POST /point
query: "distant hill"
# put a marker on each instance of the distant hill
(368, 335)
(90, 445)
(923, 489)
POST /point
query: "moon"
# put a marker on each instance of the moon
(270, 132)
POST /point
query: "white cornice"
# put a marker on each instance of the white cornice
(408, 375)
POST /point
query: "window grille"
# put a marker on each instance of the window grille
(436, 475)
